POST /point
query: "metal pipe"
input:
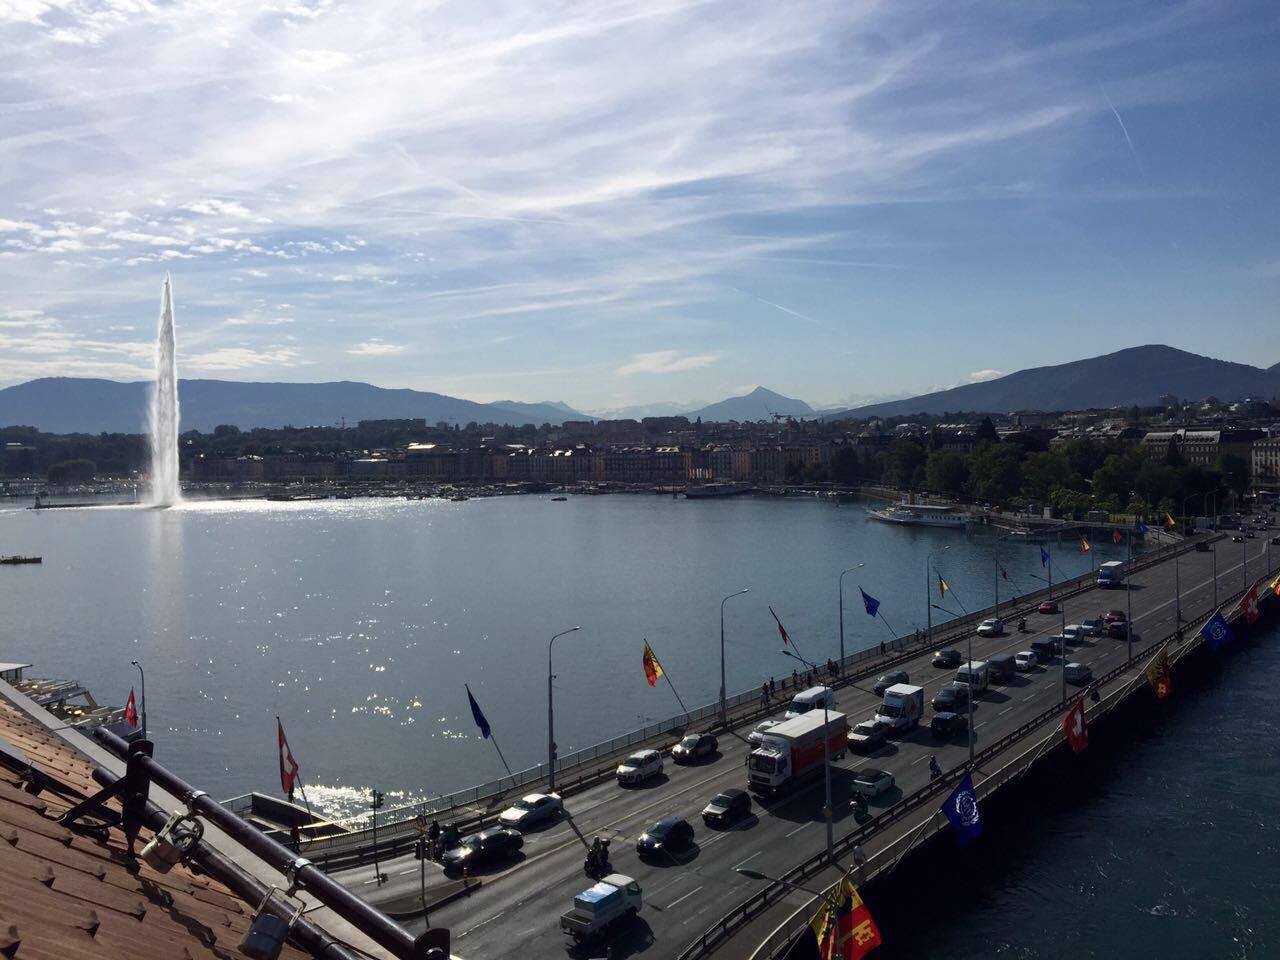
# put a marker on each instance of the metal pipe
(144, 697)
(551, 714)
(724, 715)
(370, 921)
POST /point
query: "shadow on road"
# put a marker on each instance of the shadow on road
(633, 938)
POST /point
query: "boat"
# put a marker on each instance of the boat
(460, 498)
(559, 499)
(16, 560)
(717, 490)
(922, 515)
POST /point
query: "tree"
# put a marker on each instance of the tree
(905, 464)
(72, 471)
(226, 430)
(995, 472)
(946, 472)
(986, 431)
(1235, 472)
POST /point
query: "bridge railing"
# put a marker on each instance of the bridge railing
(576, 769)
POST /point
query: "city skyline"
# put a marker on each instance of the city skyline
(633, 203)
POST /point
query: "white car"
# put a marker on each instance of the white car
(871, 782)
(756, 736)
(530, 810)
(1025, 660)
(639, 767)
(991, 628)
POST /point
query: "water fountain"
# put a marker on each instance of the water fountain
(162, 411)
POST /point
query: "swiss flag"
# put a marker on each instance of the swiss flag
(1115, 536)
(288, 765)
(131, 709)
(1249, 605)
(781, 629)
(1074, 725)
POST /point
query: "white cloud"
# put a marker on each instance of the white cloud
(977, 376)
(239, 358)
(374, 348)
(665, 361)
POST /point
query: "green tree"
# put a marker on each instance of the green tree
(945, 472)
(71, 471)
(986, 431)
(995, 472)
(904, 466)
(1235, 472)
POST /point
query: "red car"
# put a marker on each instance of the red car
(1114, 616)
(1049, 606)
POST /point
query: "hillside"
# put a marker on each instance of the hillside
(1138, 375)
(82, 405)
(759, 404)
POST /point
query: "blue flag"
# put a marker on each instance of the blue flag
(870, 602)
(1044, 557)
(961, 809)
(478, 714)
(1143, 528)
(1217, 631)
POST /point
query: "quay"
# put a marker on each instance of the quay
(696, 904)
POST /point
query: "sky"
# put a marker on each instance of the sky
(621, 203)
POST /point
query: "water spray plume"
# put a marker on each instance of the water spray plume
(162, 411)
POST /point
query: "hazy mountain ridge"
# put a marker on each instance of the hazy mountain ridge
(759, 404)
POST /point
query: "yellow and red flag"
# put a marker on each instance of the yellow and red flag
(652, 668)
(850, 933)
(1275, 586)
(131, 709)
(1158, 673)
(1169, 521)
(943, 586)
(1084, 545)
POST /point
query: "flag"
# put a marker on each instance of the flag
(1143, 528)
(1084, 545)
(1074, 725)
(1169, 521)
(943, 586)
(1117, 537)
(961, 808)
(870, 602)
(781, 629)
(1004, 573)
(1217, 631)
(850, 933)
(1044, 557)
(1249, 605)
(477, 714)
(131, 709)
(1158, 673)
(288, 765)
(1275, 586)
(652, 668)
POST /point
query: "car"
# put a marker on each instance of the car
(950, 698)
(1094, 628)
(889, 679)
(1001, 667)
(670, 835)
(947, 658)
(946, 725)
(1203, 547)
(993, 627)
(639, 767)
(1074, 633)
(1048, 606)
(756, 736)
(1275, 541)
(1250, 535)
(1077, 673)
(693, 746)
(1111, 616)
(1046, 648)
(871, 782)
(477, 849)
(868, 736)
(1237, 539)
(725, 808)
(1025, 660)
(1119, 631)
(530, 810)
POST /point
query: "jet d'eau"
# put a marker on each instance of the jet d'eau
(162, 410)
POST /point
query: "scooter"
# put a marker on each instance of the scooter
(1022, 625)
(597, 863)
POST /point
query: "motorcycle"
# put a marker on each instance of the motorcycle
(1022, 625)
(597, 863)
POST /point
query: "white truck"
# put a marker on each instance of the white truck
(976, 674)
(902, 708)
(598, 910)
(1112, 574)
(792, 751)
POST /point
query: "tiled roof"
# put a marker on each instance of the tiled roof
(67, 895)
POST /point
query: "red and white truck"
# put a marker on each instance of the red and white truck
(792, 751)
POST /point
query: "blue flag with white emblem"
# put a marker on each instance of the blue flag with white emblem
(961, 809)
(478, 715)
(870, 602)
(1044, 557)
(1217, 631)
(1143, 528)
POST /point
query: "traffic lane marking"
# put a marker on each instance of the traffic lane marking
(749, 859)
(684, 898)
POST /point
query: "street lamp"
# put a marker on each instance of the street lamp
(724, 715)
(842, 573)
(968, 686)
(826, 897)
(144, 697)
(551, 713)
(826, 756)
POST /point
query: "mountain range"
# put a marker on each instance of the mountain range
(759, 404)
(1136, 375)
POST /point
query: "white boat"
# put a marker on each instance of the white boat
(921, 515)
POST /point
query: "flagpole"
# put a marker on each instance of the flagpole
(666, 676)
(500, 756)
(486, 729)
(892, 632)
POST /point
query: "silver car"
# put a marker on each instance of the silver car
(531, 809)
(756, 736)
(639, 767)
(871, 782)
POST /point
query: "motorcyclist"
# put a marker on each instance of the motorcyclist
(433, 838)
(449, 837)
(1022, 624)
(598, 855)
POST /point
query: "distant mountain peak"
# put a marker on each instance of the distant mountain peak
(760, 404)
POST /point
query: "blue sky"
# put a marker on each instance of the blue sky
(623, 202)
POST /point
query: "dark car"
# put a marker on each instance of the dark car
(1275, 541)
(867, 737)
(1048, 606)
(1046, 648)
(670, 834)
(889, 679)
(1002, 666)
(496, 843)
(725, 808)
(946, 725)
(1203, 547)
(1118, 630)
(951, 698)
(693, 746)
(1237, 539)
(949, 657)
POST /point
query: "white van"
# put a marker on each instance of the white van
(975, 674)
(813, 698)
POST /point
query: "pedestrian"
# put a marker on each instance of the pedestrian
(764, 695)
(795, 679)
(882, 648)
(772, 686)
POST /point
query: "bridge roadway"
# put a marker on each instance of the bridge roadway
(515, 913)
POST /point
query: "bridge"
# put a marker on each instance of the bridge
(696, 904)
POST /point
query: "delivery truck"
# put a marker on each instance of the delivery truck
(902, 707)
(601, 908)
(1112, 574)
(792, 751)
